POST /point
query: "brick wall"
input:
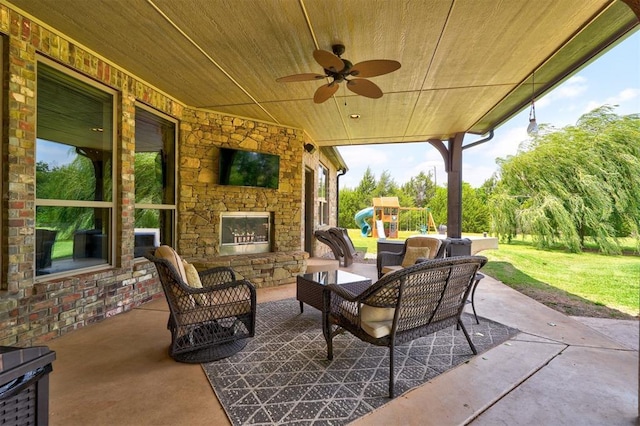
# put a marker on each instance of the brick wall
(32, 310)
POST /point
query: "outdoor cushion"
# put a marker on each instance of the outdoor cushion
(414, 253)
(391, 268)
(166, 252)
(377, 329)
(374, 313)
(193, 279)
(375, 321)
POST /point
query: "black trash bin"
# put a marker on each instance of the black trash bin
(459, 247)
(24, 385)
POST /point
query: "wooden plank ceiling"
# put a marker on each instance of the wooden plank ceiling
(466, 64)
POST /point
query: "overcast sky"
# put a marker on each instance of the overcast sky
(612, 79)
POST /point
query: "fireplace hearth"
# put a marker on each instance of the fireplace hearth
(245, 232)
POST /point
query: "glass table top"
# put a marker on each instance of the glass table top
(333, 277)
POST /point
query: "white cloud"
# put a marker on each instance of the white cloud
(403, 161)
(477, 174)
(570, 89)
(507, 143)
(363, 155)
(623, 99)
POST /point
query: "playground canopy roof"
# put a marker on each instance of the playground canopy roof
(386, 202)
(467, 65)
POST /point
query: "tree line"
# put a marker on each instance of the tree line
(566, 187)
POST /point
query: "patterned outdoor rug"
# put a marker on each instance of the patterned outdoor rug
(283, 376)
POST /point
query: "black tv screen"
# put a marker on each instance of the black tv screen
(249, 168)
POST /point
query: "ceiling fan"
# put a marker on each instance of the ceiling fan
(340, 70)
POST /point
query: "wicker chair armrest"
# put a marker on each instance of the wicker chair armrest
(223, 286)
(232, 292)
(386, 258)
(343, 293)
(215, 276)
(442, 251)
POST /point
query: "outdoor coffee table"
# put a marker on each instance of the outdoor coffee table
(312, 290)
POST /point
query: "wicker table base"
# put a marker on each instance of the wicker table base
(312, 290)
(310, 287)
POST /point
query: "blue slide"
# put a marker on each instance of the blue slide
(361, 220)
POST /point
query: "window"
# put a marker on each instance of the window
(323, 195)
(155, 170)
(74, 171)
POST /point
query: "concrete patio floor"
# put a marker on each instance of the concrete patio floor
(557, 371)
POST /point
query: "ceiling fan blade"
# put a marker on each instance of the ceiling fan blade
(324, 92)
(328, 60)
(364, 88)
(374, 68)
(300, 77)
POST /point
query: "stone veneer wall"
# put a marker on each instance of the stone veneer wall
(202, 200)
(32, 310)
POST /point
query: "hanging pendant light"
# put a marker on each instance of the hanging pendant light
(532, 128)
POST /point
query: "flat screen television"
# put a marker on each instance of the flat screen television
(249, 168)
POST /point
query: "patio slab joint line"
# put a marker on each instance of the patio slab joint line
(516, 386)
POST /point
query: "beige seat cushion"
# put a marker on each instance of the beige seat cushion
(166, 252)
(414, 253)
(390, 268)
(422, 241)
(375, 321)
(377, 329)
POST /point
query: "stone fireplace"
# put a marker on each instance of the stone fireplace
(245, 232)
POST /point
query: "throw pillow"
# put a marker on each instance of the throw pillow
(414, 253)
(193, 279)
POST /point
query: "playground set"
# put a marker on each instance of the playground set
(385, 214)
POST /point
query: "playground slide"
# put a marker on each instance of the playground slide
(361, 220)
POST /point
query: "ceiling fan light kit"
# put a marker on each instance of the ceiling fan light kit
(341, 70)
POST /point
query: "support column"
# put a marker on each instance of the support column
(454, 187)
(452, 156)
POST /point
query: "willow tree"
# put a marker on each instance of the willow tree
(580, 182)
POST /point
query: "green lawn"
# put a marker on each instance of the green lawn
(612, 281)
(62, 249)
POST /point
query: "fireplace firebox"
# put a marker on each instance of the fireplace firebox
(245, 232)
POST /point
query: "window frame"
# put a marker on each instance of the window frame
(323, 201)
(112, 205)
(164, 206)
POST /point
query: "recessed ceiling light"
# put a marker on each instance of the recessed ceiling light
(354, 116)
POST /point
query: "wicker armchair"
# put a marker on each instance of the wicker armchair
(404, 305)
(341, 237)
(211, 316)
(325, 237)
(389, 261)
(339, 242)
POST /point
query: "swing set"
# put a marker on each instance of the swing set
(418, 219)
(386, 217)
